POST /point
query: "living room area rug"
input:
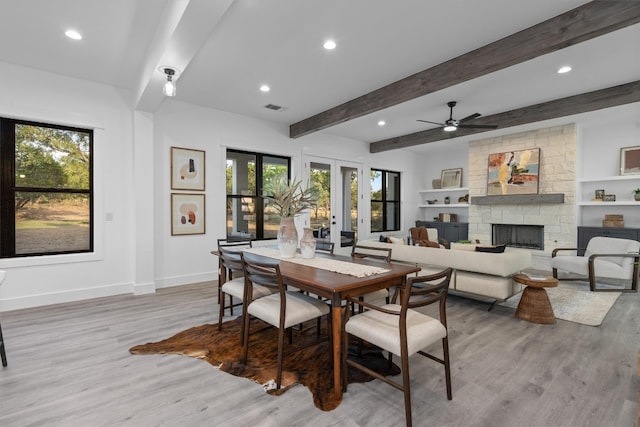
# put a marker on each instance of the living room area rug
(307, 360)
(574, 302)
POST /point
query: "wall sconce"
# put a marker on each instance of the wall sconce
(169, 88)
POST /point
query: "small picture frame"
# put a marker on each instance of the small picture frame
(609, 198)
(187, 214)
(630, 161)
(451, 178)
(599, 194)
(187, 169)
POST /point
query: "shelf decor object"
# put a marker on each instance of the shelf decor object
(630, 161)
(513, 172)
(451, 178)
(187, 169)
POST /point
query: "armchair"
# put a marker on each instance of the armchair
(604, 257)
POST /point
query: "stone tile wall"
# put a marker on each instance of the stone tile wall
(557, 175)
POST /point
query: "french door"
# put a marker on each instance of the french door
(336, 215)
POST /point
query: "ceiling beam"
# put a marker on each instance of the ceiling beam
(577, 104)
(588, 21)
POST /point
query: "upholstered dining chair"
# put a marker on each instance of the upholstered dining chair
(231, 259)
(282, 309)
(3, 353)
(238, 246)
(380, 254)
(403, 331)
(605, 257)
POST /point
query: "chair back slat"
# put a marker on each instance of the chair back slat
(361, 251)
(261, 270)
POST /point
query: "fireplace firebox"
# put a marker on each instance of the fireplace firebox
(518, 236)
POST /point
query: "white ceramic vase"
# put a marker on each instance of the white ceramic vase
(287, 237)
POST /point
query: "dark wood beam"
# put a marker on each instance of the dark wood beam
(583, 103)
(580, 24)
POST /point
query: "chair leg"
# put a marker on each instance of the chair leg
(3, 354)
(447, 366)
(555, 273)
(245, 337)
(280, 356)
(406, 388)
(221, 312)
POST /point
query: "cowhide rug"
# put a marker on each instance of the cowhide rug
(307, 360)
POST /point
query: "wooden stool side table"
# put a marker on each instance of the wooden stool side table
(534, 305)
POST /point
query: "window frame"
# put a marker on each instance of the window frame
(386, 201)
(259, 201)
(8, 189)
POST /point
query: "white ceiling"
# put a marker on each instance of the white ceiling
(227, 48)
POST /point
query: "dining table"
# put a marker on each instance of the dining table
(314, 277)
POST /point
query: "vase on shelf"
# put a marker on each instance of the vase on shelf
(636, 196)
(308, 244)
(287, 237)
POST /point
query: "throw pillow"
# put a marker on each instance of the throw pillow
(498, 249)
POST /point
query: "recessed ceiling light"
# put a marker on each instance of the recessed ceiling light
(73, 34)
(381, 123)
(265, 88)
(564, 69)
(329, 45)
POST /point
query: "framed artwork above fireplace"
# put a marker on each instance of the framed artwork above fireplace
(513, 172)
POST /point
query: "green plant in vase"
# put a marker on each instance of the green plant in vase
(288, 200)
(636, 194)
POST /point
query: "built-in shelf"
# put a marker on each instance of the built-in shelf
(443, 190)
(610, 178)
(519, 199)
(442, 205)
(607, 204)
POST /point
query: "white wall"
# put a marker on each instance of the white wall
(186, 259)
(34, 95)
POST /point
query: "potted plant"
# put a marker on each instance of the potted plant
(636, 195)
(288, 200)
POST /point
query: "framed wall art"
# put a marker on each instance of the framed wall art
(514, 172)
(451, 178)
(630, 160)
(187, 214)
(187, 169)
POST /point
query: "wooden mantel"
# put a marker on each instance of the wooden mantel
(518, 199)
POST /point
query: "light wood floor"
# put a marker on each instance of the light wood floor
(69, 365)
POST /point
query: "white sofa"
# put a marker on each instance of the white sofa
(476, 273)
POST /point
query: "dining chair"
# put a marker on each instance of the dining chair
(282, 309)
(3, 353)
(231, 259)
(324, 246)
(380, 254)
(238, 245)
(403, 331)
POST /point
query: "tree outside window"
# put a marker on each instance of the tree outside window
(49, 193)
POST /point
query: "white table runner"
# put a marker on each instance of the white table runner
(337, 266)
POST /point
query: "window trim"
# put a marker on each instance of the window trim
(385, 201)
(8, 189)
(259, 180)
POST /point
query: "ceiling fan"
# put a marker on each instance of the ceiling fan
(451, 124)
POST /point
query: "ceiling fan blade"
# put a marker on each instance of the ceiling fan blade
(479, 126)
(471, 117)
(433, 123)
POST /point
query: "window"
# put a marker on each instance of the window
(248, 214)
(385, 200)
(46, 196)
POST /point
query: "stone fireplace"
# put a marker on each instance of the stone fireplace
(518, 236)
(557, 175)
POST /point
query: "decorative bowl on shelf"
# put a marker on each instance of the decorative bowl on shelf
(431, 202)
